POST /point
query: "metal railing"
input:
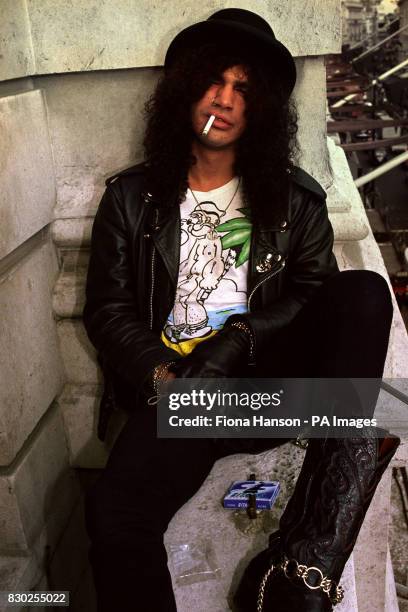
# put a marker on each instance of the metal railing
(379, 44)
(374, 174)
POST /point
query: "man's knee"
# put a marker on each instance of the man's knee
(362, 292)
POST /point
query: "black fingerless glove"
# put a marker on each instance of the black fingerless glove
(219, 357)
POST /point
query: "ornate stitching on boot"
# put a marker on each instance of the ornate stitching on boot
(324, 515)
(342, 486)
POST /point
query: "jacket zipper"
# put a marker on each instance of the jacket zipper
(271, 275)
(153, 279)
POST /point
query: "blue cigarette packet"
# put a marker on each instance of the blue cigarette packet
(265, 492)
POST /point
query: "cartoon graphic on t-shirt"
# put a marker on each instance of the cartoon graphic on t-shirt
(238, 234)
(205, 266)
(212, 277)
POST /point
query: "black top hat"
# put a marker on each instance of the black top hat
(243, 27)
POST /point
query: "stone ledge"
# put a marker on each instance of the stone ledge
(346, 210)
(373, 539)
(234, 537)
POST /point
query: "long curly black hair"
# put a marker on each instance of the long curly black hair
(265, 152)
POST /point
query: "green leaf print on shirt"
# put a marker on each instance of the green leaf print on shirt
(238, 235)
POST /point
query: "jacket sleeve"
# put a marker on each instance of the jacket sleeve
(111, 315)
(310, 263)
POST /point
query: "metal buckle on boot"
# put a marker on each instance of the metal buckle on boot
(333, 591)
(305, 576)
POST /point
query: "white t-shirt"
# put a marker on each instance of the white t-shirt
(214, 253)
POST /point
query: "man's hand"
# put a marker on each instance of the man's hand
(219, 357)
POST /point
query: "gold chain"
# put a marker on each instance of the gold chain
(261, 594)
(160, 372)
(301, 571)
(243, 326)
(229, 203)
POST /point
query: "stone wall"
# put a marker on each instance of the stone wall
(52, 36)
(38, 489)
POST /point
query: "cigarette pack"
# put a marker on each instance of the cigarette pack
(240, 491)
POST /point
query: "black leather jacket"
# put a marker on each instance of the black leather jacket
(134, 263)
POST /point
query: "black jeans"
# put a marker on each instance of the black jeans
(342, 332)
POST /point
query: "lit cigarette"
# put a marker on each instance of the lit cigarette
(208, 125)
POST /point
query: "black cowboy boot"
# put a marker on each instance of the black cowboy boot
(302, 567)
